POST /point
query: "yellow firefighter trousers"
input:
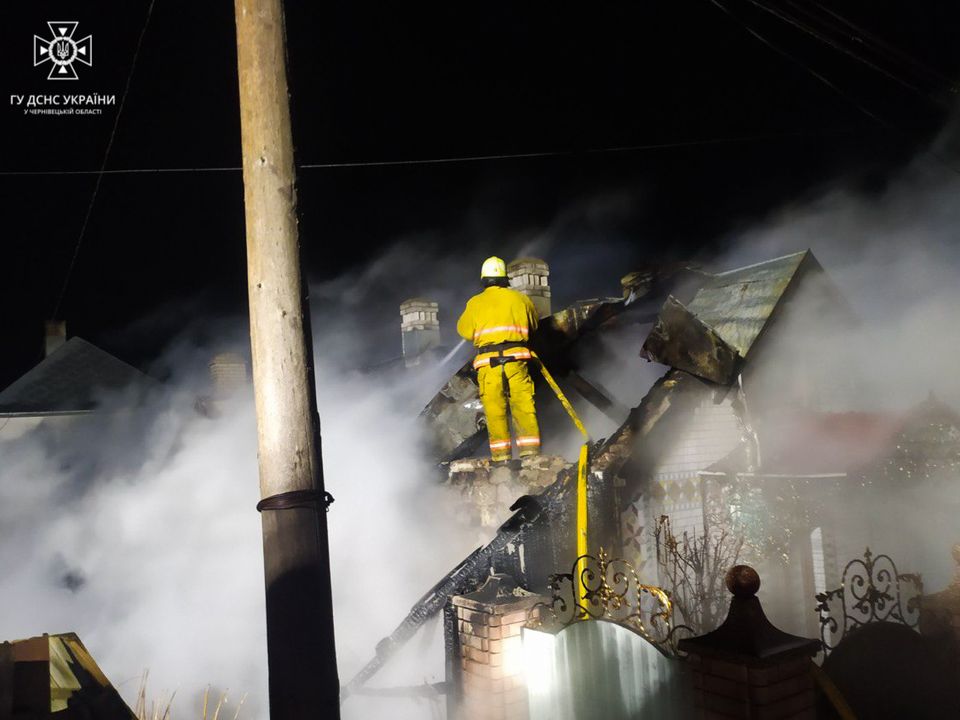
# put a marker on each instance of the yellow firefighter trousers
(522, 409)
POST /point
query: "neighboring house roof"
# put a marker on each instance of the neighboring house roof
(71, 379)
(55, 674)
(805, 442)
(928, 441)
(810, 443)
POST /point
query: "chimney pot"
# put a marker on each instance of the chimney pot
(531, 277)
(419, 328)
(228, 372)
(55, 335)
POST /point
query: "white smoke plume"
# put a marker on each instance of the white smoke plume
(138, 530)
(136, 527)
(893, 254)
(133, 527)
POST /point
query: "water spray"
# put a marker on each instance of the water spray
(449, 356)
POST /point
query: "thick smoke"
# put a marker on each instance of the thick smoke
(893, 256)
(389, 511)
(136, 528)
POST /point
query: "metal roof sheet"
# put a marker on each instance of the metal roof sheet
(737, 304)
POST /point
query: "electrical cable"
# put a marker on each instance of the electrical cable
(793, 21)
(792, 58)
(883, 123)
(103, 166)
(860, 37)
(119, 171)
(862, 33)
(451, 160)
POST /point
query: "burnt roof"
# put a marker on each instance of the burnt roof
(739, 303)
(715, 331)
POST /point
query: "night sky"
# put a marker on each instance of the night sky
(745, 128)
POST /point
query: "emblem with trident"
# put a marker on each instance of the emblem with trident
(62, 50)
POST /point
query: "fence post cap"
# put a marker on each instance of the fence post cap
(746, 636)
(742, 581)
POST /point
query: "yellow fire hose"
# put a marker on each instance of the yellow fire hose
(581, 476)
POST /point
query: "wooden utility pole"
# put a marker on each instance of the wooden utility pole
(300, 640)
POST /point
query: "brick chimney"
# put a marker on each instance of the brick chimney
(55, 335)
(419, 328)
(531, 276)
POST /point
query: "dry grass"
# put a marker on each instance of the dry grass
(162, 709)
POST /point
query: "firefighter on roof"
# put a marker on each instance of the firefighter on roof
(499, 322)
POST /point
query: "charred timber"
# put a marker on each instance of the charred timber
(548, 512)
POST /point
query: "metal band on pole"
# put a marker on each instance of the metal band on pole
(296, 499)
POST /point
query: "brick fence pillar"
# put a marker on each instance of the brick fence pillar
(747, 668)
(491, 678)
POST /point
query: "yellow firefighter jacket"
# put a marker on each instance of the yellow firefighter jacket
(501, 320)
(498, 316)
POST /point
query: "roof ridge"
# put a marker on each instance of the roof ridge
(763, 262)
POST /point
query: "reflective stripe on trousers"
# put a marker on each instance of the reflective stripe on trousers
(522, 409)
(518, 353)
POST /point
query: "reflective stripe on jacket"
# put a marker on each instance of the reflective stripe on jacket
(496, 316)
(518, 353)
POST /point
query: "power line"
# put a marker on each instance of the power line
(103, 166)
(568, 153)
(883, 123)
(934, 75)
(792, 58)
(119, 171)
(815, 33)
(454, 159)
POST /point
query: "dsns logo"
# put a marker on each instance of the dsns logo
(62, 51)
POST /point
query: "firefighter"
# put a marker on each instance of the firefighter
(499, 322)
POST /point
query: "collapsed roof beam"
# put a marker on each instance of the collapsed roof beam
(597, 397)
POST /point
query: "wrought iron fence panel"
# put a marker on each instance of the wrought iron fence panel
(612, 592)
(872, 590)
